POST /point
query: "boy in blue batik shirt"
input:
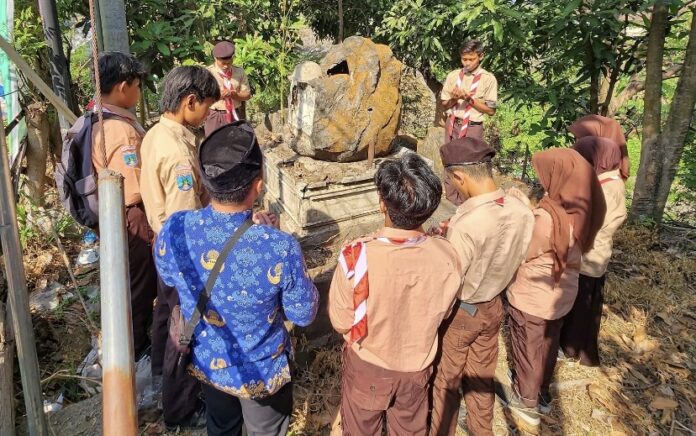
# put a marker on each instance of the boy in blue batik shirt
(241, 348)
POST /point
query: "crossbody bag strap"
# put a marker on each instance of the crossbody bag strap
(190, 326)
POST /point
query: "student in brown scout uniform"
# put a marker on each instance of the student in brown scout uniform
(234, 88)
(581, 326)
(388, 296)
(170, 183)
(603, 127)
(121, 77)
(490, 232)
(567, 220)
(468, 95)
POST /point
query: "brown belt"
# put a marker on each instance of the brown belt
(471, 123)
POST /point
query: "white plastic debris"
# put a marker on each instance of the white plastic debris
(48, 298)
(91, 367)
(51, 407)
(88, 256)
(147, 390)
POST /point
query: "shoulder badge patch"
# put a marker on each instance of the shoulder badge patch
(184, 181)
(130, 157)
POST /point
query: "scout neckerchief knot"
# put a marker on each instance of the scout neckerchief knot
(230, 112)
(353, 261)
(469, 107)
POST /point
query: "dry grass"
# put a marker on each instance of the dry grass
(646, 384)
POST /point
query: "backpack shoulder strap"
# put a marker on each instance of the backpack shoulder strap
(204, 297)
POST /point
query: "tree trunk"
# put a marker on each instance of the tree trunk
(7, 406)
(678, 122)
(38, 137)
(60, 71)
(594, 78)
(340, 21)
(651, 154)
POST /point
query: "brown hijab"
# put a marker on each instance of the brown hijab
(597, 125)
(603, 154)
(574, 197)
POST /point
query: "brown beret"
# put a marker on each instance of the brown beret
(223, 49)
(466, 151)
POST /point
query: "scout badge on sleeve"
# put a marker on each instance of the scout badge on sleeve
(130, 157)
(467, 109)
(184, 177)
(231, 113)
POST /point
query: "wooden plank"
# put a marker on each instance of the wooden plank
(7, 406)
(19, 300)
(34, 78)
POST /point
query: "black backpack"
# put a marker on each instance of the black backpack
(75, 175)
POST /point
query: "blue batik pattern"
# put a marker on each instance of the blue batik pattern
(241, 345)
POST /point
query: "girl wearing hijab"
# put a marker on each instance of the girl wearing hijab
(603, 127)
(581, 326)
(543, 291)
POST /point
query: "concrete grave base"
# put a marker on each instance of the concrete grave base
(322, 202)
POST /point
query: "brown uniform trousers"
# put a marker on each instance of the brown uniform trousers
(217, 118)
(180, 396)
(580, 332)
(534, 351)
(468, 356)
(370, 392)
(474, 131)
(143, 276)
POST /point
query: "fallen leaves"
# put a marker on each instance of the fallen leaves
(663, 403)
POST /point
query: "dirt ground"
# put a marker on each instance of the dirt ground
(645, 386)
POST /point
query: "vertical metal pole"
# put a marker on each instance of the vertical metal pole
(112, 16)
(19, 298)
(60, 73)
(119, 411)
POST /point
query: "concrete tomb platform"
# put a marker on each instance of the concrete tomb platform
(322, 202)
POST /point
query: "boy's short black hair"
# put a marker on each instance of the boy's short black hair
(471, 46)
(186, 80)
(410, 190)
(478, 172)
(116, 67)
(233, 197)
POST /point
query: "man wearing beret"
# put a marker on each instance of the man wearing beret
(234, 88)
(490, 232)
(241, 349)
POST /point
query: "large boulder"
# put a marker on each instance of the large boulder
(347, 102)
(430, 147)
(419, 104)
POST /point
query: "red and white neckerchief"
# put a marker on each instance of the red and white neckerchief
(609, 179)
(231, 113)
(353, 261)
(469, 107)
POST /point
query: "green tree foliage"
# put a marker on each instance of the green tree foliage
(360, 17)
(166, 33)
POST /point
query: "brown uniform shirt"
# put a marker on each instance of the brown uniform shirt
(595, 262)
(412, 289)
(533, 290)
(170, 179)
(491, 233)
(123, 136)
(487, 91)
(240, 83)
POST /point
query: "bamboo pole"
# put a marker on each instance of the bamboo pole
(119, 411)
(7, 407)
(34, 78)
(19, 298)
